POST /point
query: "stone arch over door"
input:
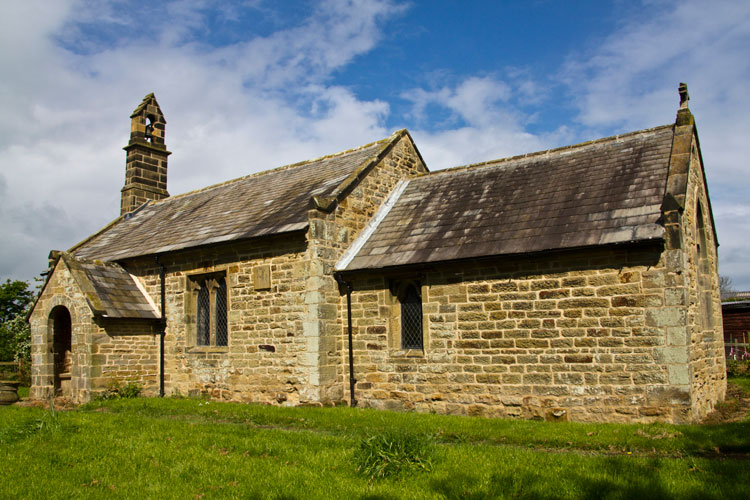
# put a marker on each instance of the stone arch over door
(60, 328)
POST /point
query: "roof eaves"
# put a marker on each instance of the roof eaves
(736, 304)
(209, 242)
(483, 258)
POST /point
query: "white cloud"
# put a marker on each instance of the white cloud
(485, 121)
(475, 100)
(630, 81)
(238, 102)
(79, 68)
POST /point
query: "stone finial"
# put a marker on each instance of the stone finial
(684, 96)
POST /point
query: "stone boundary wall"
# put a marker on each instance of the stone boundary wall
(585, 335)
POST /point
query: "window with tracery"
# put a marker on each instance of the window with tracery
(210, 299)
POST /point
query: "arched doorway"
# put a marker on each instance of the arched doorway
(61, 328)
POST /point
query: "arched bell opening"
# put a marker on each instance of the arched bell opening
(61, 328)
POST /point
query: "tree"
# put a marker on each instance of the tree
(15, 298)
(725, 286)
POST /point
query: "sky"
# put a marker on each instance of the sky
(250, 85)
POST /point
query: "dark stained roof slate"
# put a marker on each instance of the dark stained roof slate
(110, 291)
(270, 202)
(605, 191)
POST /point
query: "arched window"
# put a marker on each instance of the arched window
(210, 295)
(149, 134)
(411, 318)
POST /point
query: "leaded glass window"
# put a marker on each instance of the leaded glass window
(204, 315)
(411, 319)
(210, 295)
(221, 313)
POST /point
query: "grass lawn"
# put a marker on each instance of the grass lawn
(193, 449)
(743, 381)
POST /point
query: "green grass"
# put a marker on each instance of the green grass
(23, 392)
(192, 449)
(742, 381)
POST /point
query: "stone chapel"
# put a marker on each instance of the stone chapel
(578, 283)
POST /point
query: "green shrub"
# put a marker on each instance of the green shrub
(118, 390)
(738, 367)
(392, 453)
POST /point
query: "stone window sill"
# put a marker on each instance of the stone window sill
(408, 353)
(207, 349)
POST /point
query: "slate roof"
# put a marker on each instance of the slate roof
(270, 202)
(601, 192)
(110, 291)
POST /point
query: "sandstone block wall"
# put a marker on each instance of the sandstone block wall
(329, 235)
(125, 351)
(102, 350)
(587, 336)
(262, 361)
(706, 363)
(285, 344)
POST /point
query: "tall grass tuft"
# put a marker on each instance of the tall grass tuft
(49, 423)
(392, 453)
(119, 390)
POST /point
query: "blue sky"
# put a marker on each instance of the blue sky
(247, 86)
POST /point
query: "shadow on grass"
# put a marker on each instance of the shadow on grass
(734, 439)
(614, 478)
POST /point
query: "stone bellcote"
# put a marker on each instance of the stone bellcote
(146, 160)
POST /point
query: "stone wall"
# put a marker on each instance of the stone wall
(706, 367)
(262, 361)
(102, 351)
(329, 236)
(585, 336)
(61, 291)
(125, 351)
